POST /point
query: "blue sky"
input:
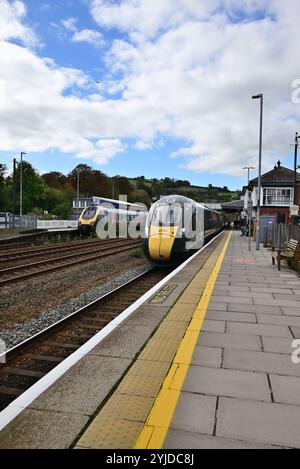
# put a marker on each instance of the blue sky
(176, 84)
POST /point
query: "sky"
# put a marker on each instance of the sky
(155, 87)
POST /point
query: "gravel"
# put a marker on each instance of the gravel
(27, 299)
(14, 335)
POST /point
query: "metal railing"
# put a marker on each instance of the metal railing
(57, 224)
(280, 234)
(23, 223)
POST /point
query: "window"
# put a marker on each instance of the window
(89, 213)
(167, 215)
(278, 196)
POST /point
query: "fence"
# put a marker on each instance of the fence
(4, 220)
(57, 224)
(31, 222)
(23, 223)
(279, 234)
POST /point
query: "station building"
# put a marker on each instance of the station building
(277, 195)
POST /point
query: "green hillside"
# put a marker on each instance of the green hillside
(158, 187)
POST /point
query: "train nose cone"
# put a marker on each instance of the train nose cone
(161, 240)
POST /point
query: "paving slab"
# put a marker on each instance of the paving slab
(37, 429)
(213, 326)
(285, 389)
(230, 316)
(260, 361)
(207, 357)
(254, 309)
(125, 342)
(195, 413)
(84, 387)
(178, 439)
(296, 332)
(232, 299)
(233, 383)
(237, 341)
(259, 329)
(273, 319)
(259, 422)
(277, 345)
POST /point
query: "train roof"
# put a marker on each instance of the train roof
(117, 202)
(173, 199)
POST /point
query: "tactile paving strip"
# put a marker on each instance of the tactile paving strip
(107, 432)
(121, 420)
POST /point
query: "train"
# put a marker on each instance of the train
(177, 226)
(110, 217)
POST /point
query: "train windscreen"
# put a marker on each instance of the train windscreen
(167, 215)
(89, 213)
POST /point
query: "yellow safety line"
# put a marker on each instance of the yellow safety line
(160, 417)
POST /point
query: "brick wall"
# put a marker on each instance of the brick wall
(275, 210)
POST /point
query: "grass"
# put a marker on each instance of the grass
(4, 232)
(296, 266)
(137, 254)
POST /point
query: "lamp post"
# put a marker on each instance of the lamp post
(14, 193)
(296, 167)
(249, 204)
(78, 182)
(261, 97)
(21, 183)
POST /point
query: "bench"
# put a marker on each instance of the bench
(291, 254)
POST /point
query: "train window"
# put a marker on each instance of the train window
(194, 220)
(89, 213)
(167, 215)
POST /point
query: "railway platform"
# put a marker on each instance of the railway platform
(204, 361)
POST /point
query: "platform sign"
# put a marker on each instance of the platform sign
(294, 210)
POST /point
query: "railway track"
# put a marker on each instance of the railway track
(82, 254)
(54, 249)
(31, 360)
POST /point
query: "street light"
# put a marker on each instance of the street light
(21, 183)
(77, 203)
(249, 204)
(261, 97)
(249, 169)
(297, 137)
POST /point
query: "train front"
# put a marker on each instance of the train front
(165, 241)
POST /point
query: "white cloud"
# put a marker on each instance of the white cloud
(184, 71)
(90, 36)
(70, 24)
(147, 17)
(196, 74)
(103, 150)
(11, 26)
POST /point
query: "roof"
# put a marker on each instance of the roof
(234, 205)
(214, 206)
(278, 175)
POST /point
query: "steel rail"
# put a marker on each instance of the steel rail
(104, 252)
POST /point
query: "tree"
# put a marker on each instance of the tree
(2, 186)
(122, 186)
(54, 179)
(158, 189)
(92, 182)
(142, 197)
(33, 188)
